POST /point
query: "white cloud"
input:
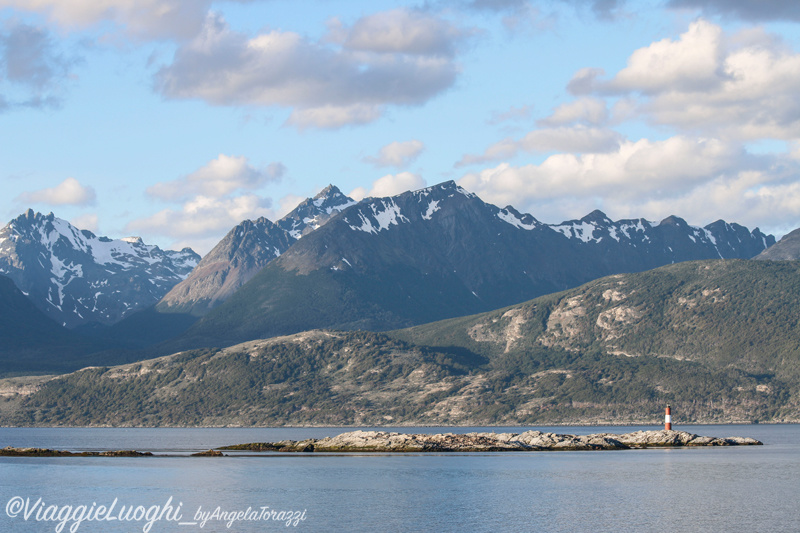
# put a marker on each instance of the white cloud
(398, 31)
(743, 86)
(201, 220)
(680, 175)
(324, 84)
(147, 19)
(68, 192)
(330, 117)
(390, 185)
(397, 154)
(212, 200)
(579, 139)
(219, 177)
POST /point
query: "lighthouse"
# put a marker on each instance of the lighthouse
(668, 419)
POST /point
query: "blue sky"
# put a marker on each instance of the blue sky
(176, 119)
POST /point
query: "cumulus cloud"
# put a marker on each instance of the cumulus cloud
(390, 185)
(211, 201)
(219, 177)
(68, 192)
(201, 220)
(581, 139)
(402, 31)
(325, 84)
(592, 111)
(146, 19)
(750, 10)
(397, 154)
(653, 177)
(743, 86)
(680, 175)
(31, 66)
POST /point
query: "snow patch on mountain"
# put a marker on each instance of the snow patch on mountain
(433, 206)
(582, 231)
(507, 216)
(385, 213)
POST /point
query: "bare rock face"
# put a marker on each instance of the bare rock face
(382, 441)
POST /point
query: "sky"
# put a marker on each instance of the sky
(174, 120)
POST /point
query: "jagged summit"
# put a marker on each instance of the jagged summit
(313, 213)
(76, 277)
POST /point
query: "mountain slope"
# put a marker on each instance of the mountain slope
(714, 339)
(245, 250)
(787, 249)
(229, 265)
(442, 252)
(76, 278)
(32, 342)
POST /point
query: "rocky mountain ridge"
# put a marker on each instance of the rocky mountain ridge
(442, 252)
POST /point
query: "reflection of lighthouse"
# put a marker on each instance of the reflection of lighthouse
(668, 419)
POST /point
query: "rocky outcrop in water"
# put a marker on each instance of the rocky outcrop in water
(382, 441)
(10, 451)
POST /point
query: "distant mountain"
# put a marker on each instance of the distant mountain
(442, 252)
(245, 250)
(786, 249)
(716, 340)
(76, 278)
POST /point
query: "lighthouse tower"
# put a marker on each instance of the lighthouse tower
(668, 419)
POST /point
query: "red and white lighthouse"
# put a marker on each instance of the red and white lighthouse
(668, 419)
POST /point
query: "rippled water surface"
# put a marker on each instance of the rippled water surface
(718, 489)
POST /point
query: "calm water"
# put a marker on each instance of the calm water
(746, 488)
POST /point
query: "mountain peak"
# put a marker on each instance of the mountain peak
(330, 190)
(673, 220)
(313, 213)
(596, 216)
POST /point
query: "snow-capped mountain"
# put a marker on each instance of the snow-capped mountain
(246, 249)
(313, 213)
(442, 252)
(76, 277)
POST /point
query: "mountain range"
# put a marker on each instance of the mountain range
(379, 264)
(442, 252)
(715, 339)
(78, 278)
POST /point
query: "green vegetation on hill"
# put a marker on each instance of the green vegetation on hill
(717, 340)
